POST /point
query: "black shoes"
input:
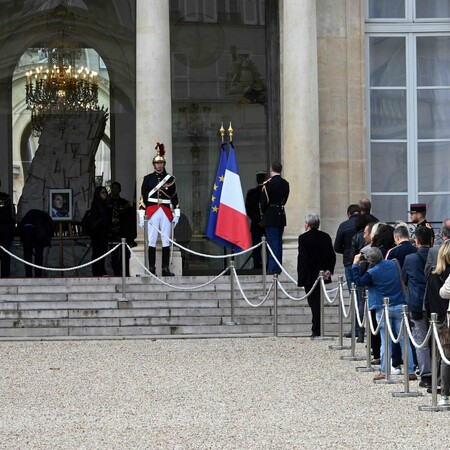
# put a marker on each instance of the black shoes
(166, 272)
(425, 382)
(438, 390)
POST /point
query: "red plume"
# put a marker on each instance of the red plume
(162, 150)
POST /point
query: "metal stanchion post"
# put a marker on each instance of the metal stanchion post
(406, 392)
(264, 262)
(434, 369)
(387, 350)
(368, 367)
(123, 249)
(231, 269)
(275, 306)
(322, 311)
(352, 356)
(340, 345)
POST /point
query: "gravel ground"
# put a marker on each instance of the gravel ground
(265, 393)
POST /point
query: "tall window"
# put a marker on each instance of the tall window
(408, 75)
(218, 73)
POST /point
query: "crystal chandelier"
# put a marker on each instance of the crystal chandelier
(60, 90)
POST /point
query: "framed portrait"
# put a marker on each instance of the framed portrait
(60, 204)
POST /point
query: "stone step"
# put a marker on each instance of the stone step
(92, 307)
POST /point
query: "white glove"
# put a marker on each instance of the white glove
(141, 214)
(176, 216)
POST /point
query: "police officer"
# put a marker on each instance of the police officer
(418, 212)
(159, 194)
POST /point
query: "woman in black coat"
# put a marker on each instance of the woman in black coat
(98, 229)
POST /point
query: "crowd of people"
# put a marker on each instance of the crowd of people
(109, 219)
(387, 262)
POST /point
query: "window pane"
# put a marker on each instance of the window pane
(386, 9)
(388, 167)
(426, 9)
(438, 207)
(389, 208)
(433, 112)
(387, 61)
(433, 61)
(433, 164)
(388, 114)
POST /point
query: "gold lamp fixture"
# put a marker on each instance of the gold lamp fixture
(60, 89)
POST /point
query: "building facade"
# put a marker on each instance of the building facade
(350, 95)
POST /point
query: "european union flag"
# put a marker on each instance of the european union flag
(215, 200)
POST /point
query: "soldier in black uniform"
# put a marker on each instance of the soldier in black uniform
(275, 193)
(253, 212)
(418, 212)
(159, 195)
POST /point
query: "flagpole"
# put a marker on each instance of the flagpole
(222, 137)
(222, 133)
(230, 133)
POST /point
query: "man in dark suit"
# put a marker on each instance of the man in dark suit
(416, 282)
(252, 208)
(403, 247)
(274, 195)
(315, 253)
(7, 228)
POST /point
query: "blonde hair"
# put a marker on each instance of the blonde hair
(443, 258)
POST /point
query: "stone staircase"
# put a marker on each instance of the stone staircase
(52, 308)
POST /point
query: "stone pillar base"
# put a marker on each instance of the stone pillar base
(290, 252)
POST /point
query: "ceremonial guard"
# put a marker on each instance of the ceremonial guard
(159, 195)
(274, 195)
(418, 213)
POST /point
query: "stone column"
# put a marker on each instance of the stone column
(299, 119)
(153, 96)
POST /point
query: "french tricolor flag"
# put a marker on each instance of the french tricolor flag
(232, 222)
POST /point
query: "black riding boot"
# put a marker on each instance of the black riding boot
(165, 262)
(151, 260)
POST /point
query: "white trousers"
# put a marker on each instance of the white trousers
(162, 223)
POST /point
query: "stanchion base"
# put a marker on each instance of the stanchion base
(352, 358)
(430, 408)
(339, 347)
(390, 381)
(365, 369)
(231, 323)
(407, 394)
(123, 300)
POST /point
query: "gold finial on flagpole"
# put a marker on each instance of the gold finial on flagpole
(230, 132)
(222, 132)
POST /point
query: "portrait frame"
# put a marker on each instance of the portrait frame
(60, 204)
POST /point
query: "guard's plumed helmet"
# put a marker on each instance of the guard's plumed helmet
(160, 152)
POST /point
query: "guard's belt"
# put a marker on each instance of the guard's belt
(160, 201)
